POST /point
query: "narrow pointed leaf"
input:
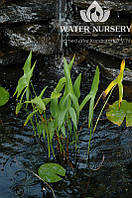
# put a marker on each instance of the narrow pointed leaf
(73, 116)
(18, 107)
(27, 65)
(71, 63)
(30, 117)
(42, 93)
(118, 81)
(60, 85)
(76, 86)
(84, 102)
(95, 83)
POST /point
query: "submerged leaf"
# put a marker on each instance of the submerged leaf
(51, 172)
(117, 115)
(4, 96)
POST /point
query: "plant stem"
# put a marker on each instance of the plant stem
(44, 182)
(89, 143)
(102, 111)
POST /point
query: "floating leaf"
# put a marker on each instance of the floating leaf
(4, 96)
(117, 115)
(51, 172)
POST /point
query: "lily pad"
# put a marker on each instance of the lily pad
(51, 172)
(117, 115)
(4, 96)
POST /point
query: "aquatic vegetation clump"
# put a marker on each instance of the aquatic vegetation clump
(60, 126)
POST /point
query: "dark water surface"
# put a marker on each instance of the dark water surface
(20, 150)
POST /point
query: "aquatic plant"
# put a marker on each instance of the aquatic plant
(121, 108)
(51, 172)
(61, 124)
(117, 115)
(4, 96)
(117, 81)
(23, 87)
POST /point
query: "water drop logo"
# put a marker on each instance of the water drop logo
(95, 13)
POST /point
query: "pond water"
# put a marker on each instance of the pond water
(20, 150)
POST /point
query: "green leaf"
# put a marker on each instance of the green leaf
(42, 92)
(41, 129)
(63, 130)
(73, 116)
(61, 117)
(51, 129)
(38, 102)
(25, 79)
(18, 107)
(60, 85)
(71, 63)
(67, 70)
(118, 81)
(76, 86)
(51, 172)
(84, 102)
(117, 115)
(27, 64)
(75, 104)
(4, 96)
(93, 91)
(95, 83)
(30, 117)
(54, 107)
(55, 95)
(46, 100)
(91, 110)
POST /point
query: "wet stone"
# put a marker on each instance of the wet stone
(33, 37)
(114, 5)
(27, 11)
(12, 57)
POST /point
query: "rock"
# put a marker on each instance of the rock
(12, 57)
(27, 11)
(114, 5)
(117, 49)
(110, 74)
(33, 37)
